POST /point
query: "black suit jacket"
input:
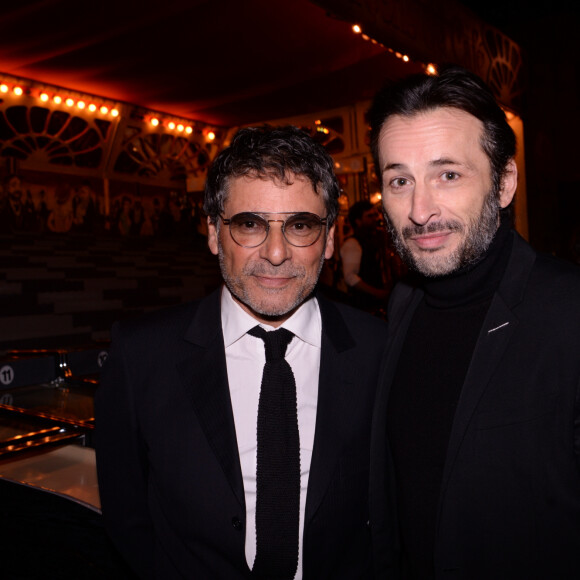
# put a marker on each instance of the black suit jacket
(169, 472)
(510, 500)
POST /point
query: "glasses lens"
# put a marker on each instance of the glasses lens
(302, 229)
(248, 229)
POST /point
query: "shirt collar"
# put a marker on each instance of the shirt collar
(305, 323)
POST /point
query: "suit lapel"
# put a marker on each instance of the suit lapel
(404, 302)
(335, 385)
(204, 375)
(497, 330)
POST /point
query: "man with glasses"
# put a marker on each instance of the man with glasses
(233, 433)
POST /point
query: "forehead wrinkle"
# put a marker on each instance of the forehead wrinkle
(440, 162)
(447, 161)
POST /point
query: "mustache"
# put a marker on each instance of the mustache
(447, 226)
(285, 270)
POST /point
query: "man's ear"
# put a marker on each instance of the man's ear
(329, 249)
(212, 236)
(509, 184)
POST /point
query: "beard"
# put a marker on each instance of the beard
(477, 237)
(270, 303)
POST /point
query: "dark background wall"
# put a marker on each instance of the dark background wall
(547, 31)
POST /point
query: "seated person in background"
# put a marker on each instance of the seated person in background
(361, 256)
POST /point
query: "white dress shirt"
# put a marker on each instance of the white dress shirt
(245, 359)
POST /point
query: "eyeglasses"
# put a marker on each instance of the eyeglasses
(249, 230)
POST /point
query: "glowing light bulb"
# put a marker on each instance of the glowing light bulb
(171, 125)
(104, 110)
(57, 99)
(356, 28)
(189, 130)
(406, 58)
(44, 97)
(92, 107)
(18, 91)
(3, 88)
(431, 69)
(180, 127)
(81, 105)
(155, 122)
(69, 102)
(114, 112)
(211, 136)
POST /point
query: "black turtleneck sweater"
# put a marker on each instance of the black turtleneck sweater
(426, 388)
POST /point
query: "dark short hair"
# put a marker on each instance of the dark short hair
(357, 209)
(278, 153)
(453, 87)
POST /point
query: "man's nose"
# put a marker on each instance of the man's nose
(424, 204)
(275, 249)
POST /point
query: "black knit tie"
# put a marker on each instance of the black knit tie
(278, 470)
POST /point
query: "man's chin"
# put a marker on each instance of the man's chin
(273, 307)
(433, 263)
(274, 310)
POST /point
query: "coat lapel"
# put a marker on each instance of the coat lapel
(497, 330)
(404, 302)
(204, 375)
(335, 385)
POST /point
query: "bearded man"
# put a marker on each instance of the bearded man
(233, 433)
(479, 408)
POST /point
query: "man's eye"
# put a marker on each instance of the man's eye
(399, 182)
(300, 226)
(450, 176)
(249, 225)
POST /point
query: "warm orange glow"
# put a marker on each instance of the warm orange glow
(44, 97)
(405, 58)
(114, 112)
(104, 110)
(3, 88)
(366, 37)
(69, 102)
(431, 69)
(180, 128)
(81, 105)
(189, 130)
(92, 107)
(155, 121)
(57, 99)
(211, 136)
(171, 125)
(317, 122)
(356, 28)
(18, 91)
